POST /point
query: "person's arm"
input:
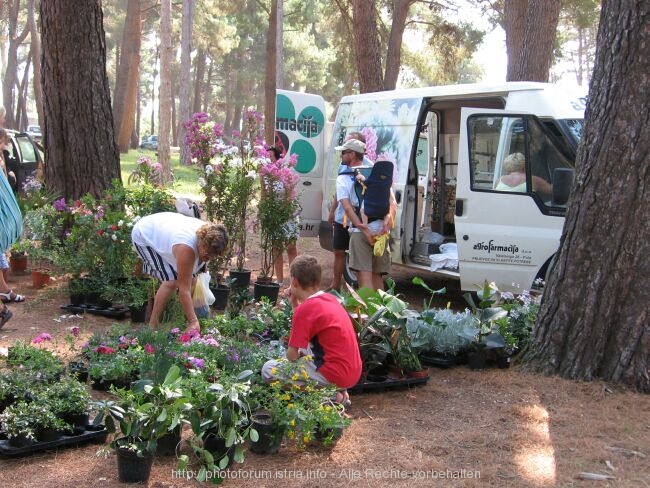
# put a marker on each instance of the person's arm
(541, 186)
(293, 353)
(185, 266)
(333, 206)
(389, 218)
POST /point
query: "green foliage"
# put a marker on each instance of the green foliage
(28, 418)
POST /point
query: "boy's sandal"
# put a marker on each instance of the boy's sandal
(10, 296)
(5, 315)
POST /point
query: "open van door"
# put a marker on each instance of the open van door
(299, 129)
(506, 234)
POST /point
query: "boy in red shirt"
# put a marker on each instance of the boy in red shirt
(320, 328)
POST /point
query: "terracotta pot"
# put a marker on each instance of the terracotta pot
(18, 264)
(423, 373)
(40, 278)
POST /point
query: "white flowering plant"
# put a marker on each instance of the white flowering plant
(228, 173)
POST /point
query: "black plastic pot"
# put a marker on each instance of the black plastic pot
(167, 444)
(132, 468)
(217, 447)
(138, 313)
(268, 290)
(270, 434)
(240, 278)
(221, 293)
(477, 360)
(77, 421)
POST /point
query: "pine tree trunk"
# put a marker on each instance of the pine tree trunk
(393, 55)
(185, 79)
(126, 85)
(595, 321)
(366, 43)
(80, 148)
(165, 100)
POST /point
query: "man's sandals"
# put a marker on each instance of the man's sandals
(10, 296)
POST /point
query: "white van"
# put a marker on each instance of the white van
(449, 144)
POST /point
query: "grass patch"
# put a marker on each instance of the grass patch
(186, 177)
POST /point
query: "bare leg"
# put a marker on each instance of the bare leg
(377, 281)
(278, 265)
(365, 279)
(337, 269)
(292, 251)
(164, 293)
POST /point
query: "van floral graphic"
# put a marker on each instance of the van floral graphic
(388, 127)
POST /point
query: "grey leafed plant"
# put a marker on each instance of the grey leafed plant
(445, 328)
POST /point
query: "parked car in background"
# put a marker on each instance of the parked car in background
(23, 156)
(35, 132)
(150, 142)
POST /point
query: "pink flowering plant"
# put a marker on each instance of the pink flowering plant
(277, 208)
(227, 176)
(146, 171)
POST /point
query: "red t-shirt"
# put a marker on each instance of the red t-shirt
(322, 321)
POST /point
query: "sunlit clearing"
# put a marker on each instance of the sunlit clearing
(536, 458)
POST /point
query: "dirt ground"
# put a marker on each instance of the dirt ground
(500, 428)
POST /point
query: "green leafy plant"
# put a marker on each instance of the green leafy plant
(484, 334)
(145, 413)
(28, 419)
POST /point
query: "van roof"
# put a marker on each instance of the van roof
(543, 99)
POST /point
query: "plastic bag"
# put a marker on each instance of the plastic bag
(202, 297)
(380, 245)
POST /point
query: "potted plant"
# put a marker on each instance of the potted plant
(42, 364)
(138, 418)
(29, 422)
(18, 256)
(277, 207)
(483, 335)
(220, 422)
(134, 293)
(69, 400)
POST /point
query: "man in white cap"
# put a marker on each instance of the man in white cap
(368, 267)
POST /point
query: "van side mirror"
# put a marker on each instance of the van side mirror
(562, 182)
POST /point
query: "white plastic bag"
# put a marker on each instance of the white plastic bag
(202, 297)
(202, 290)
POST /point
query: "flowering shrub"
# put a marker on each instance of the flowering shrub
(277, 208)
(146, 171)
(305, 410)
(227, 177)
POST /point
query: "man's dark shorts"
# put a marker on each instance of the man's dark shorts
(341, 238)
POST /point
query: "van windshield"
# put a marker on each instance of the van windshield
(574, 128)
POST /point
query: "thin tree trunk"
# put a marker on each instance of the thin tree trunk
(185, 78)
(165, 99)
(35, 42)
(10, 82)
(126, 84)
(270, 78)
(199, 74)
(534, 63)
(393, 55)
(514, 23)
(595, 321)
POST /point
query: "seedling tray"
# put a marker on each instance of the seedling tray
(93, 433)
(387, 384)
(113, 312)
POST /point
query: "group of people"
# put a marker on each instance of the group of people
(11, 222)
(175, 247)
